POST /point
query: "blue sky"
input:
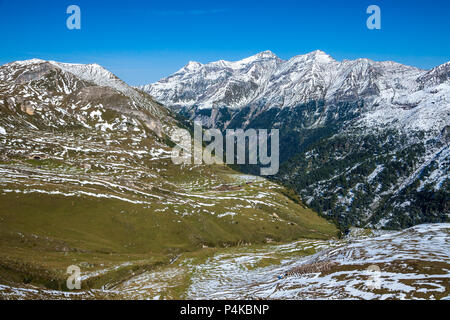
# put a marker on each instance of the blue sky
(143, 41)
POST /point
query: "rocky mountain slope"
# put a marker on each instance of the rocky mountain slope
(86, 179)
(365, 143)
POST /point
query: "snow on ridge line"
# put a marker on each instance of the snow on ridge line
(259, 56)
(97, 74)
(25, 62)
(55, 63)
(88, 72)
(303, 78)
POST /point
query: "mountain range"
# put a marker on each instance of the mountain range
(363, 142)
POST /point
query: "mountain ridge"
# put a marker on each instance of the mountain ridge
(286, 83)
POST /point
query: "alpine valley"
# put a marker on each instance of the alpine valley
(87, 182)
(87, 179)
(363, 143)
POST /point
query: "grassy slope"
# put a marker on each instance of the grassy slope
(41, 235)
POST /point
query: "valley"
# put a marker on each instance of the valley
(86, 179)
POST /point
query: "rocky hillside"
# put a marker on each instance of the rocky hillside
(87, 179)
(365, 143)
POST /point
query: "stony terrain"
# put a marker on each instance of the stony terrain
(410, 264)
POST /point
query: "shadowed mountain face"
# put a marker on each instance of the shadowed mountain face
(86, 178)
(362, 142)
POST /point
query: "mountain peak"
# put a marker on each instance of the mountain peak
(316, 56)
(319, 55)
(93, 73)
(318, 52)
(192, 66)
(266, 54)
(262, 55)
(27, 62)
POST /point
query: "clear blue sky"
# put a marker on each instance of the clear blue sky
(143, 41)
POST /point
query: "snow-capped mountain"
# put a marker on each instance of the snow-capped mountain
(389, 89)
(221, 83)
(54, 94)
(362, 141)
